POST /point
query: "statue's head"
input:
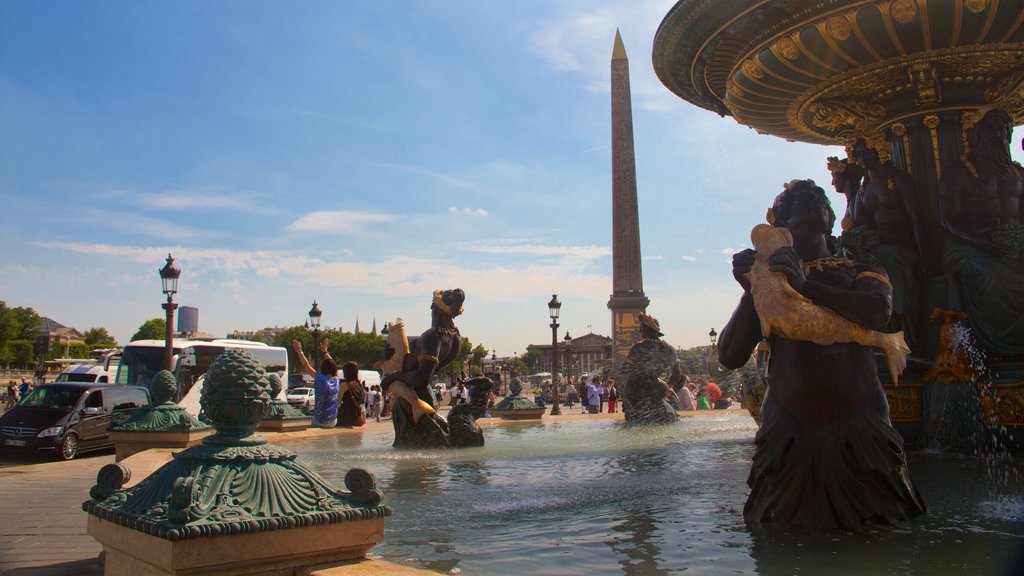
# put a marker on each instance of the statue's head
(987, 126)
(846, 175)
(988, 138)
(649, 327)
(803, 206)
(449, 301)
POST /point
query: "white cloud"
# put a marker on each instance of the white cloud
(338, 221)
(475, 212)
(201, 197)
(690, 258)
(581, 43)
(581, 252)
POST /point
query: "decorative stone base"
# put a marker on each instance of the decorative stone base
(128, 443)
(129, 552)
(531, 414)
(284, 425)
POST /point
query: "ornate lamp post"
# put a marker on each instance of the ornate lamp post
(314, 320)
(714, 338)
(169, 278)
(568, 353)
(553, 308)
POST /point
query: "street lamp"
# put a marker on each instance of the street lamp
(714, 337)
(553, 308)
(169, 279)
(314, 320)
(569, 352)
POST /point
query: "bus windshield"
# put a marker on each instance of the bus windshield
(139, 364)
(196, 359)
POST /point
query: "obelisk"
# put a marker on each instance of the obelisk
(627, 301)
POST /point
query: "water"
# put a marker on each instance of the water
(594, 497)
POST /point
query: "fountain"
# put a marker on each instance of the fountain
(923, 95)
(591, 495)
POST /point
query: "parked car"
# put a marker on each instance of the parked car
(301, 398)
(67, 418)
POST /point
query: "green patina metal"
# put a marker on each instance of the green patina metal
(234, 483)
(278, 409)
(162, 415)
(516, 407)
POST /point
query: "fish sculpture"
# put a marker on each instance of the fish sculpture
(398, 341)
(785, 312)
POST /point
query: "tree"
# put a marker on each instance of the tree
(152, 329)
(532, 359)
(98, 338)
(19, 328)
(478, 354)
(284, 339)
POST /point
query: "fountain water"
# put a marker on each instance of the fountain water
(595, 496)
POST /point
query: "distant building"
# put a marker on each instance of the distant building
(188, 319)
(577, 356)
(56, 337)
(268, 335)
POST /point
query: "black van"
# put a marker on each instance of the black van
(66, 418)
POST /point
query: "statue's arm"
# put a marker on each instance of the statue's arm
(743, 331)
(869, 303)
(740, 335)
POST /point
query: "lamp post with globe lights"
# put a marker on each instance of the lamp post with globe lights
(314, 321)
(169, 279)
(554, 306)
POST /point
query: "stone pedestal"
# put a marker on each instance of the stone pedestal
(129, 552)
(127, 443)
(232, 505)
(283, 425)
(519, 414)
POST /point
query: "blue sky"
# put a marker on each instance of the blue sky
(362, 154)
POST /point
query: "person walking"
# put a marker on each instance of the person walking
(13, 394)
(593, 399)
(613, 396)
(325, 386)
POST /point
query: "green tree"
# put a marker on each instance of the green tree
(478, 354)
(152, 329)
(532, 360)
(284, 339)
(78, 350)
(19, 328)
(21, 353)
(98, 337)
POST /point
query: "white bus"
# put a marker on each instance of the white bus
(142, 359)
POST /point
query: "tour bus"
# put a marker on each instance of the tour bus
(142, 359)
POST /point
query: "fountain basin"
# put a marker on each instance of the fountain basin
(586, 494)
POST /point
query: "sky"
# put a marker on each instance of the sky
(362, 154)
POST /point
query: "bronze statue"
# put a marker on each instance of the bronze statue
(826, 454)
(643, 396)
(786, 312)
(462, 426)
(982, 206)
(886, 225)
(416, 423)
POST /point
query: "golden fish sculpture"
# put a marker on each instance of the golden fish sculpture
(787, 313)
(400, 389)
